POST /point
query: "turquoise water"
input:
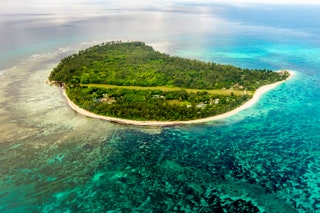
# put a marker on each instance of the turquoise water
(264, 159)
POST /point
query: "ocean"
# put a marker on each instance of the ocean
(264, 159)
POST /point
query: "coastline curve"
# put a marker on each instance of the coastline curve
(257, 95)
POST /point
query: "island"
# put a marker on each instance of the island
(131, 83)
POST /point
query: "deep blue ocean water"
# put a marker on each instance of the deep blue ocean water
(264, 159)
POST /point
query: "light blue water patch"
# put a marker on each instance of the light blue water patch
(56, 158)
(97, 176)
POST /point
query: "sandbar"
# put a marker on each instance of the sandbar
(257, 95)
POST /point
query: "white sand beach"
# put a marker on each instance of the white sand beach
(257, 95)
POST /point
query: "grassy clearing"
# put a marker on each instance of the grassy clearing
(177, 102)
(167, 88)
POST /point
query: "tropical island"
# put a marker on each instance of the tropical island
(130, 82)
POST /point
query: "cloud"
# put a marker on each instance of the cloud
(97, 7)
(239, 2)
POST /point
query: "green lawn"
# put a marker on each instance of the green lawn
(167, 88)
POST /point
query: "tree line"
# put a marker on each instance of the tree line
(137, 64)
(153, 104)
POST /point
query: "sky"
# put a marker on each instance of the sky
(87, 8)
(244, 2)
(53, 4)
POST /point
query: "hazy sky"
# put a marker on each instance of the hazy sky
(70, 3)
(262, 1)
(86, 6)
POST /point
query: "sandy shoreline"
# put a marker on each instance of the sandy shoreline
(257, 95)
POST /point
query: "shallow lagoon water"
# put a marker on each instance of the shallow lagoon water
(264, 159)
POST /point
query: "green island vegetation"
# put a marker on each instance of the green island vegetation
(133, 81)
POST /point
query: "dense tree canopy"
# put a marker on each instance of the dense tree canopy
(153, 104)
(136, 64)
